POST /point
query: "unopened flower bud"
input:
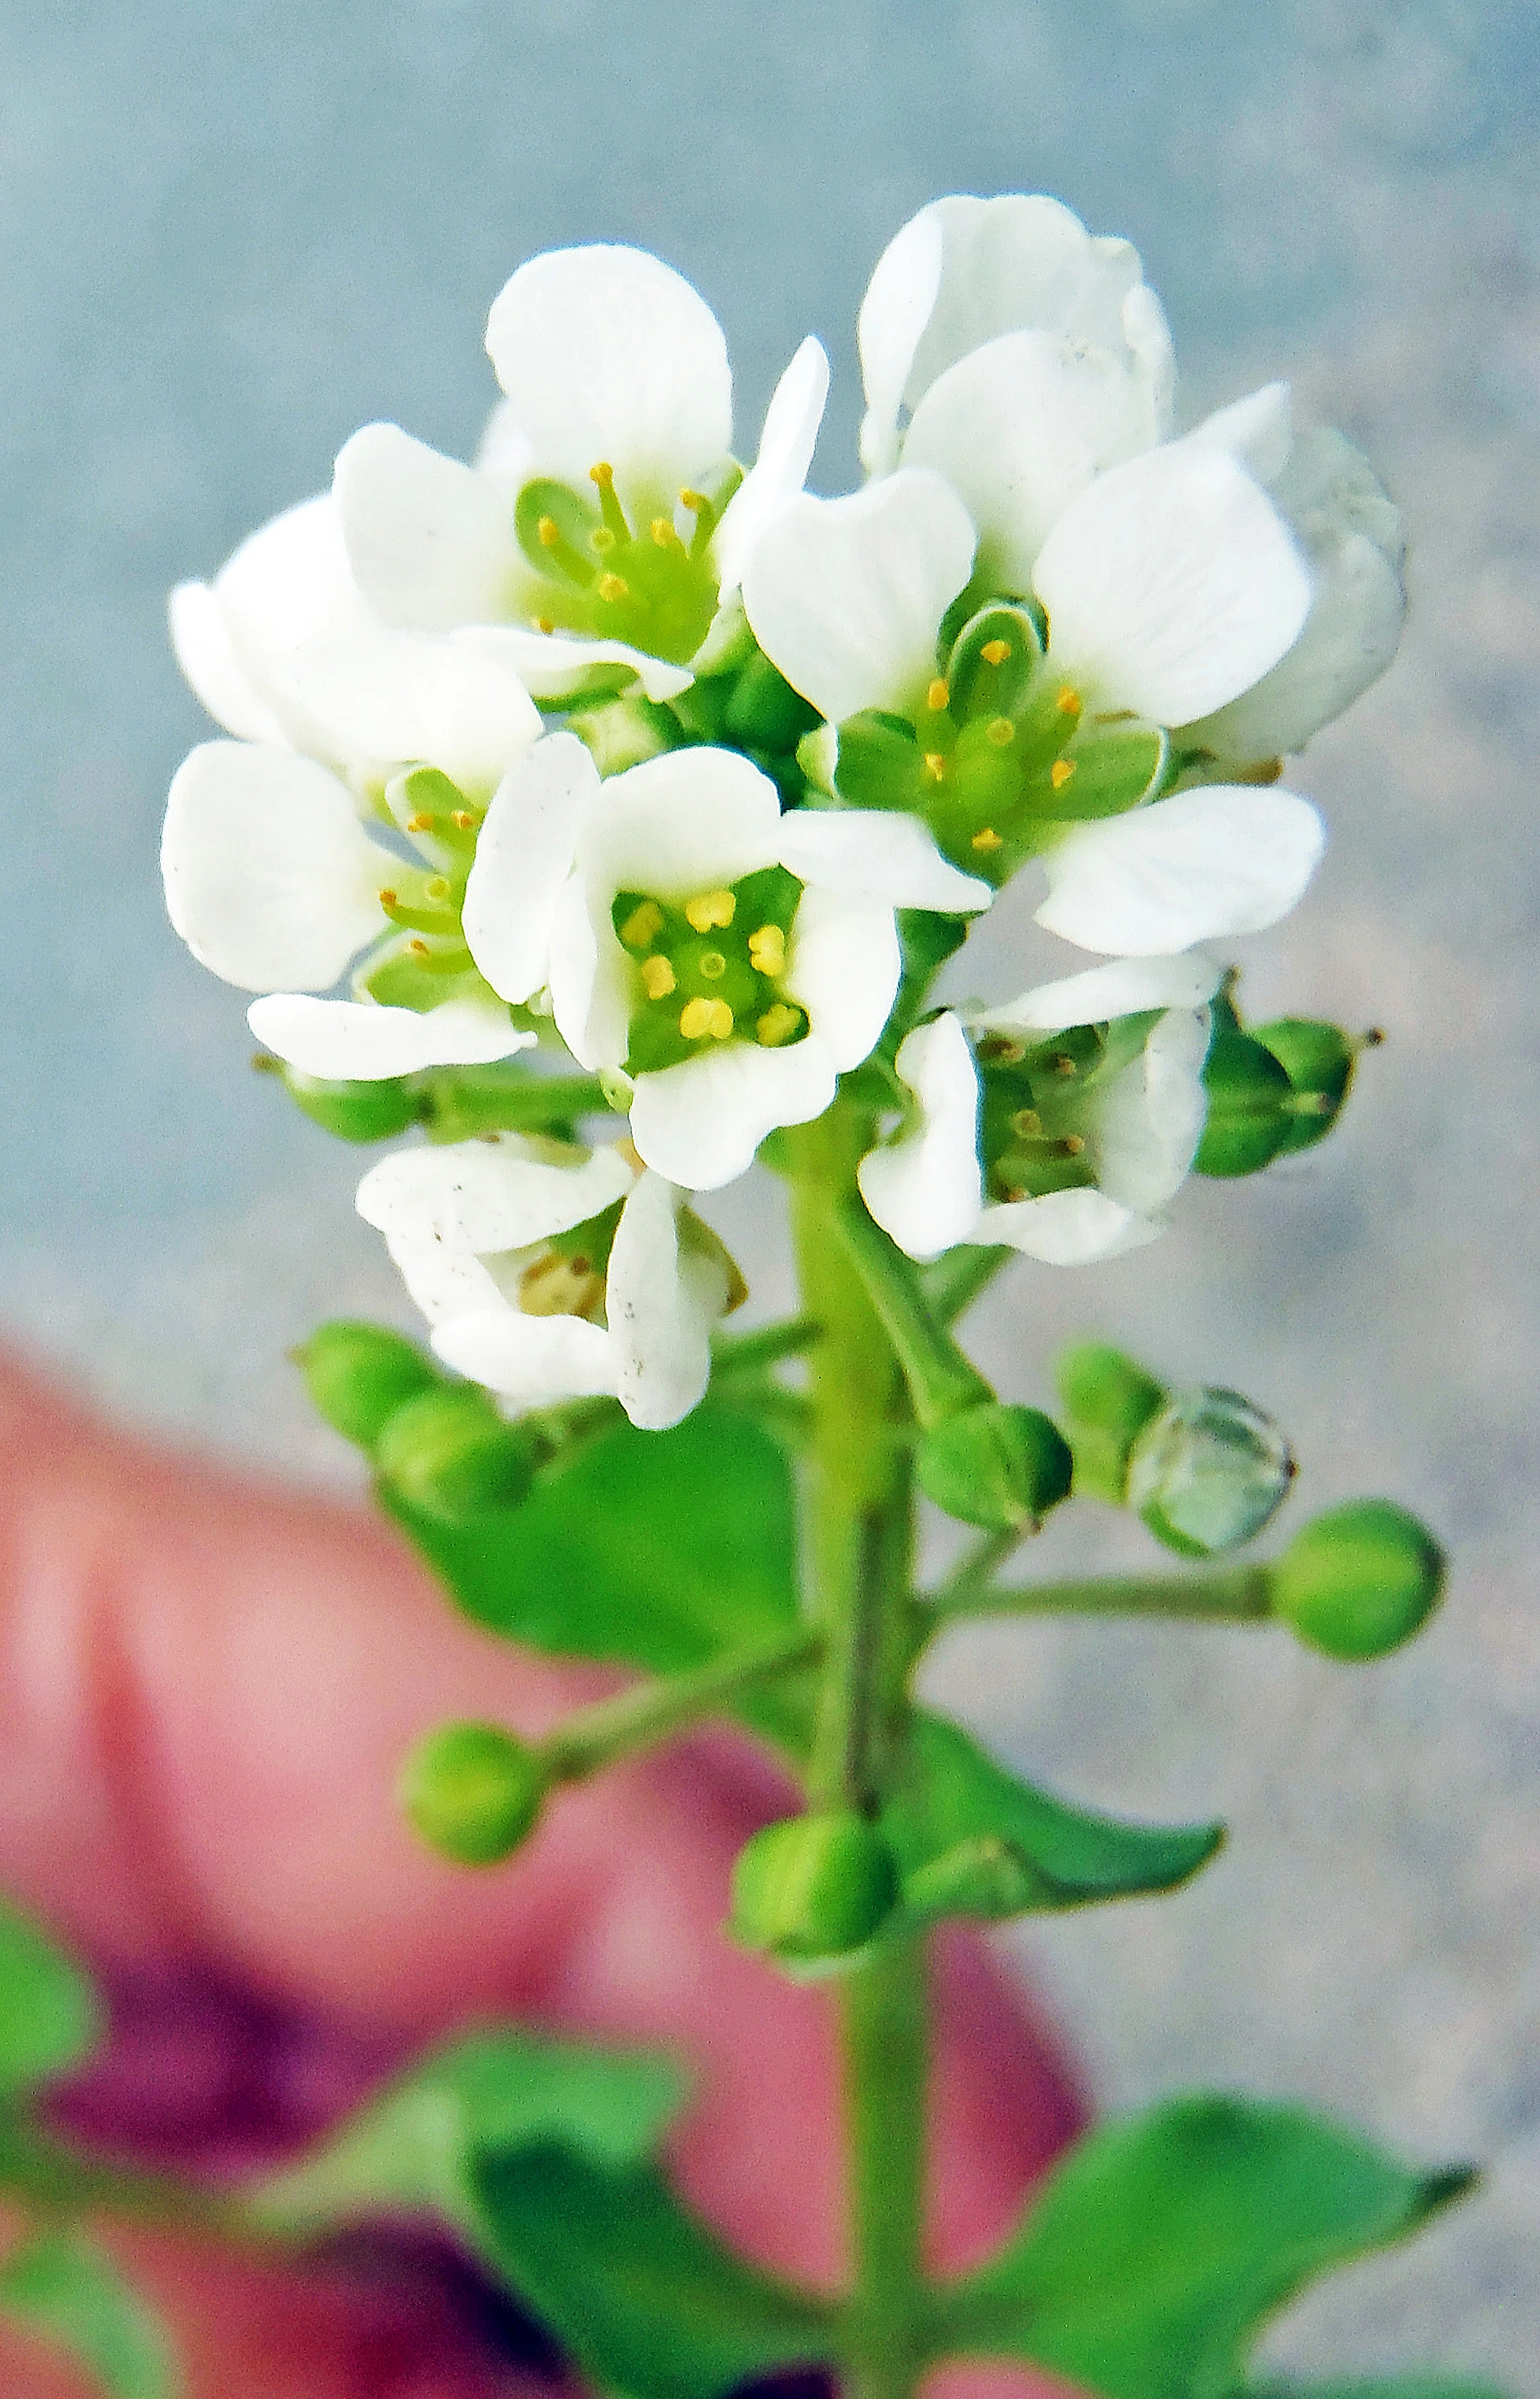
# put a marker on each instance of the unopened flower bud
(985, 1877)
(474, 1792)
(813, 1887)
(1207, 1472)
(995, 1465)
(1108, 1399)
(1251, 1108)
(449, 1451)
(353, 1111)
(1360, 1580)
(764, 713)
(1319, 1060)
(360, 1375)
(624, 733)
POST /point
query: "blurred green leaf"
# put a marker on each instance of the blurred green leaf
(1150, 2262)
(63, 2289)
(49, 2015)
(659, 1549)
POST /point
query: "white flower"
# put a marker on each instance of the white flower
(549, 1274)
(273, 885)
(601, 529)
(1062, 1128)
(733, 961)
(965, 271)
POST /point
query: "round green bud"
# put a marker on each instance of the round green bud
(1360, 1580)
(995, 1465)
(356, 1111)
(473, 1792)
(359, 1375)
(1250, 1117)
(1207, 1472)
(449, 1452)
(813, 1887)
(764, 712)
(1104, 1389)
(1319, 1060)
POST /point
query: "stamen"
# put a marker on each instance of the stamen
(1064, 1064)
(713, 965)
(1002, 1050)
(464, 820)
(421, 823)
(578, 568)
(767, 951)
(550, 533)
(935, 766)
(657, 978)
(387, 899)
(1026, 1124)
(1068, 702)
(614, 514)
(603, 475)
(1001, 731)
(699, 1018)
(937, 696)
(985, 839)
(995, 653)
(777, 1024)
(419, 949)
(644, 925)
(1060, 772)
(705, 516)
(437, 888)
(1073, 1144)
(545, 625)
(710, 909)
(664, 535)
(602, 539)
(614, 586)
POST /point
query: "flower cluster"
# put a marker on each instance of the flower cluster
(605, 745)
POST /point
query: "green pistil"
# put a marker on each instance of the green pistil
(619, 577)
(1035, 1116)
(708, 969)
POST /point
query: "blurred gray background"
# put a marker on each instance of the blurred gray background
(232, 232)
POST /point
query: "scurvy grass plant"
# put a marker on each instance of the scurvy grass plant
(642, 805)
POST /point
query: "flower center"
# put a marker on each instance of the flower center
(1036, 1118)
(647, 577)
(569, 1276)
(708, 968)
(427, 960)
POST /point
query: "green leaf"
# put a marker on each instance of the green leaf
(61, 2288)
(956, 1798)
(417, 2145)
(49, 2013)
(647, 2300)
(660, 1549)
(1161, 2244)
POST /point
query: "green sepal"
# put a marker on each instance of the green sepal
(1112, 773)
(571, 515)
(50, 2016)
(659, 1549)
(356, 1112)
(980, 686)
(1319, 1060)
(1250, 1119)
(1149, 2263)
(997, 1465)
(358, 1375)
(762, 711)
(879, 763)
(450, 1454)
(66, 2292)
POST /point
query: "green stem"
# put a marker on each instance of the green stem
(50, 2177)
(595, 1737)
(960, 1276)
(1229, 1596)
(742, 1353)
(942, 1381)
(459, 1106)
(883, 2025)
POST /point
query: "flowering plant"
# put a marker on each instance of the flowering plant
(640, 803)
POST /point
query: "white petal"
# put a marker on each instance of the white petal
(877, 854)
(443, 1281)
(1171, 584)
(1018, 429)
(682, 823)
(288, 584)
(1149, 1118)
(1123, 987)
(385, 697)
(201, 641)
(659, 1313)
(606, 354)
(701, 1123)
(269, 877)
(590, 977)
(1351, 534)
(556, 666)
(484, 1197)
(846, 595)
(791, 435)
(430, 542)
(1067, 1229)
(893, 316)
(523, 856)
(1259, 430)
(347, 1041)
(1200, 866)
(530, 1362)
(503, 450)
(925, 1188)
(842, 965)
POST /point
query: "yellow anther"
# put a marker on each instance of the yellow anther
(1060, 772)
(657, 978)
(557, 1286)
(421, 823)
(388, 899)
(644, 925)
(602, 539)
(937, 696)
(545, 625)
(708, 909)
(1075, 1142)
(777, 1025)
(694, 501)
(436, 888)
(603, 474)
(1064, 1064)
(1002, 1050)
(1026, 1124)
(419, 949)
(614, 586)
(1015, 1191)
(700, 1018)
(713, 965)
(1001, 731)
(767, 950)
(985, 839)
(462, 820)
(935, 766)
(995, 653)
(550, 533)
(1069, 702)
(664, 534)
